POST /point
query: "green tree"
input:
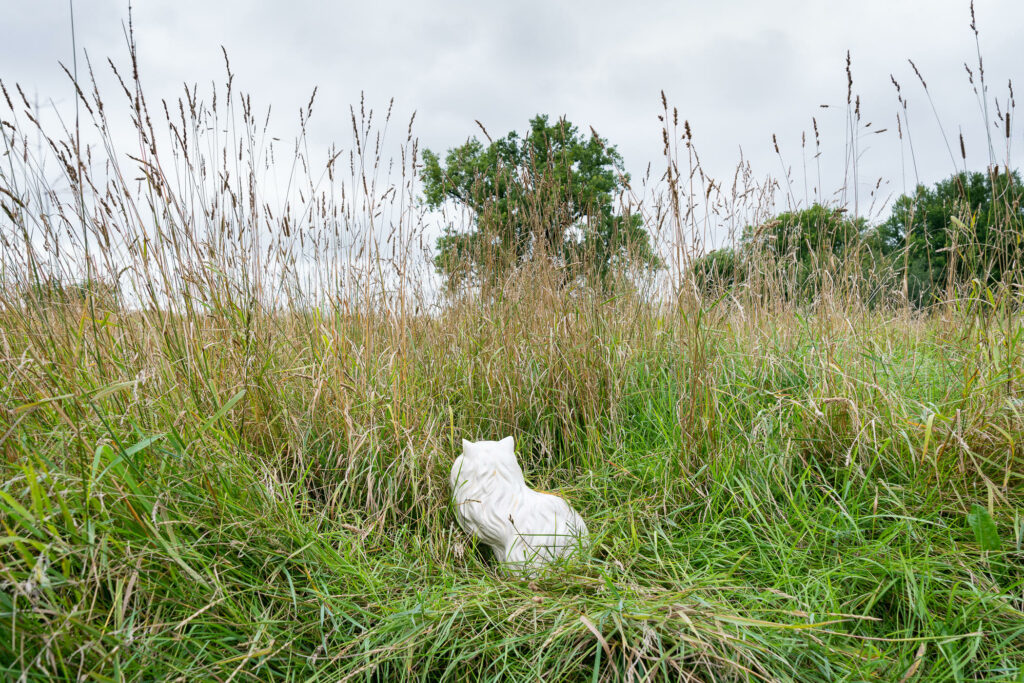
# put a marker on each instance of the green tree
(803, 234)
(967, 226)
(807, 240)
(549, 193)
(716, 271)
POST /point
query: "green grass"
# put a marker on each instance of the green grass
(214, 530)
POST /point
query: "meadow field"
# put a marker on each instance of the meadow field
(227, 422)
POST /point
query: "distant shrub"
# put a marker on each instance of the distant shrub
(792, 255)
(716, 271)
(969, 226)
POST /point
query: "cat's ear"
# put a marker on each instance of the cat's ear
(508, 444)
(466, 446)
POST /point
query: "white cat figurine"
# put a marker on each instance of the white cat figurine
(526, 529)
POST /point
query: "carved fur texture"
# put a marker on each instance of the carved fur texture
(526, 529)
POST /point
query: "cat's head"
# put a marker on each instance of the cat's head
(488, 456)
(488, 449)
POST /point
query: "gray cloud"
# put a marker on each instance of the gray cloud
(738, 71)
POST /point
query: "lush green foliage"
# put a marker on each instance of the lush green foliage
(805, 234)
(551, 191)
(801, 244)
(970, 225)
(716, 271)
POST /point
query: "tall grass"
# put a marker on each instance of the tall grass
(232, 393)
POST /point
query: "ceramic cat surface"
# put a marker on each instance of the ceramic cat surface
(526, 529)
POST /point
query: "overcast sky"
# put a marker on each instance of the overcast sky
(738, 71)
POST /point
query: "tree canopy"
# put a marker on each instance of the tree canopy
(971, 222)
(800, 234)
(549, 193)
(795, 241)
(969, 226)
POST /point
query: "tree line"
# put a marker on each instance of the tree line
(551, 193)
